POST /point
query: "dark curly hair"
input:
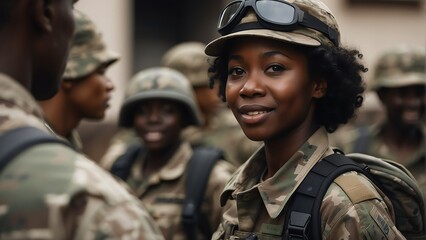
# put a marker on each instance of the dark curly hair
(339, 66)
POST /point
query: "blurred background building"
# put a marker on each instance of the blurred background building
(142, 31)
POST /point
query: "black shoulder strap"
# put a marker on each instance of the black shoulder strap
(198, 171)
(19, 139)
(303, 213)
(123, 164)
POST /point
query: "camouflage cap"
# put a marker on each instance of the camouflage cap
(162, 83)
(301, 35)
(400, 66)
(88, 50)
(189, 58)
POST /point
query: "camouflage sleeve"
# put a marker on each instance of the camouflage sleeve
(126, 220)
(353, 209)
(51, 192)
(111, 211)
(219, 177)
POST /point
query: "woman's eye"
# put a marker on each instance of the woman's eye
(275, 68)
(236, 71)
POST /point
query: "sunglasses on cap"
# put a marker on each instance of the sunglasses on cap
(272, 14)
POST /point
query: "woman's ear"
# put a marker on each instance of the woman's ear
(42, 15)
(320, 88)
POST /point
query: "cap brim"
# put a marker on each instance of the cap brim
(127, 110)
(216, 47)
(399, 80)
(89, 62)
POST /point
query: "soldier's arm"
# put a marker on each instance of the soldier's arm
(111, 211)
(356, 215)
(219, 177)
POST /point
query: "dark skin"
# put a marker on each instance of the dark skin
(36, 30)
(405, 109)
(78, 99)
(272, 96)
(158, 122)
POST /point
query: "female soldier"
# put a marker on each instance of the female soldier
(160, 103)
(288, 82)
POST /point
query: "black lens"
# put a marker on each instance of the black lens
(228, 14)
(276, 12)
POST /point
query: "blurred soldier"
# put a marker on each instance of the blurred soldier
(85, 90)
(49, 191)
(220, 129)
(400, 82)
(159, 104)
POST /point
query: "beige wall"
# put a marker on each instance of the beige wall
(369, 27)
(375, 27)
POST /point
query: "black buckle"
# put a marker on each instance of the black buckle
(297, 227)
(188, 214)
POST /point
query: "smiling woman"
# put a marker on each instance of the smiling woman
(288, 82)
(159, 104)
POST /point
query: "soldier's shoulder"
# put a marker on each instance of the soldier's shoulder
(349, 189)
(353, 205)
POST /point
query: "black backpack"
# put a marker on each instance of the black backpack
(395, 181)
(198, 171)
(17, 140)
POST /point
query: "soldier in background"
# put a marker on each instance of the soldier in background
(49, 191)
(84, 92)
(159, 104)
(400, 82)
(220, 129)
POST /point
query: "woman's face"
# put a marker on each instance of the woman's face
(405, 106)
(159, 123)
(269, 89)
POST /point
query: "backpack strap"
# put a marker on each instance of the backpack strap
(17, 140)
(303, 213)
(198, 172)
(121, 167)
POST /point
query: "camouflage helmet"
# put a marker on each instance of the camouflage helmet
(88, 50)
(300, 35)
(163, 83)
(400, 66)
(189, 58)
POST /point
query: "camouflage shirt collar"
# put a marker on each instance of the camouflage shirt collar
(276, 191)
(13, 93)
(174, 168)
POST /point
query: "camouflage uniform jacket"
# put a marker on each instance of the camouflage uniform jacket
(74, 138)
(163, 192)
(51, 192)
(371, 138)
(118, 145)
(260, 206)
